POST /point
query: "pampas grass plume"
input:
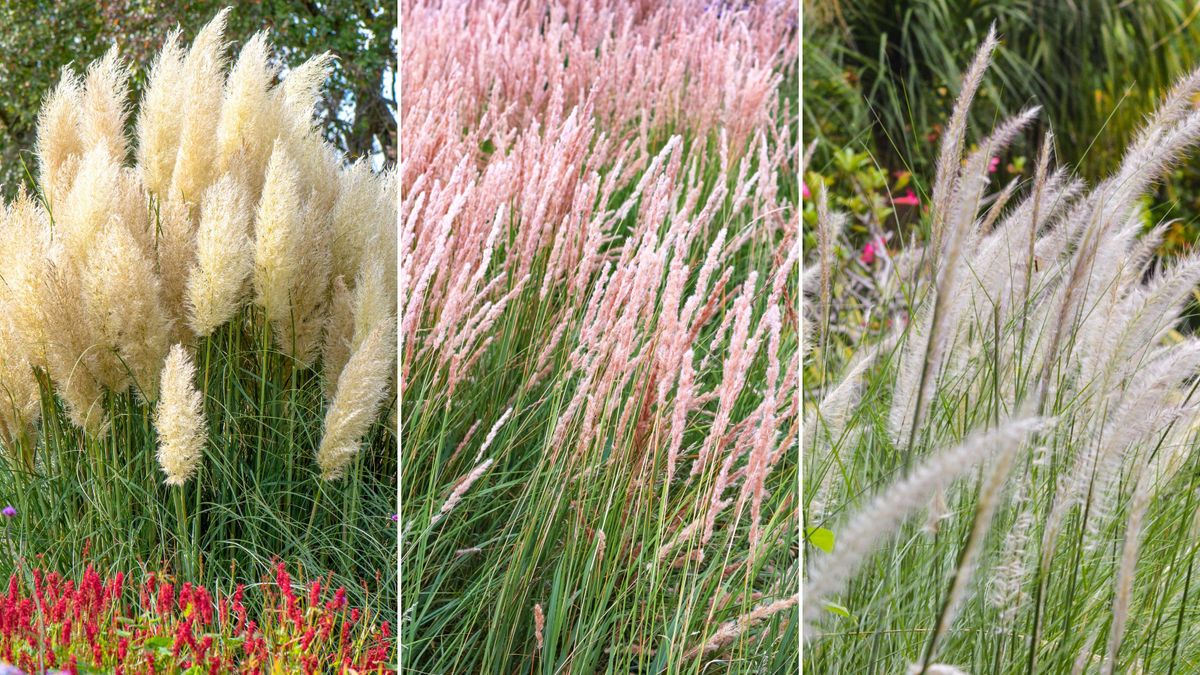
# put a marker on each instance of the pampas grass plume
(159, 121)
(361, 389)
(58, 141)
(217, 283)
(179, 419)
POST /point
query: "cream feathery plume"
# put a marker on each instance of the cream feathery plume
(372, 299)
(353, 314)
(24, 251)
(361, 389)
(176, 249)
(356, 217)
(249, 119)
(59, 144)
(320, 166)
(217, 283)
(880, 518)
(292, 264)
(94, 197)
(277, 227)
(203, 83)
(104, 104)
(72, 360)
(179, 419)
(20, 395)
(297, 96)
(301, 336)
(121, 301)
(133, 209)
(159, 121)
(339, 332)
(21, 242)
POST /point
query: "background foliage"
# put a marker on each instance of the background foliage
(358, 103)
(880, 77)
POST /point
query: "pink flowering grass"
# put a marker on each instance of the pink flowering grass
(599, 385)
(158, 624)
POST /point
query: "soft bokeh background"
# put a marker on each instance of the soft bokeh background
(38, 38)
(880, 77)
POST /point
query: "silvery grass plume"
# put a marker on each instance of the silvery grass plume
(179, 419)
(877, 520)
(1055, 305)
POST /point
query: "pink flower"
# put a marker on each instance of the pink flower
(868, 254)
(804, 191)
(993, 164)
(909, 199)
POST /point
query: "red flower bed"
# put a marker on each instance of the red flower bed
(100, 625)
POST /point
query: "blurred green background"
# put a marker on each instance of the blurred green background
(38, 38)
(880, 77)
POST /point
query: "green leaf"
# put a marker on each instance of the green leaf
(838, 609)
(821, 537)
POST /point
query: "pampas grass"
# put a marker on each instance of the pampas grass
(212, 228)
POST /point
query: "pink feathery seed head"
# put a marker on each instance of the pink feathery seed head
(804, 191)
(487, 441)
(460, 489)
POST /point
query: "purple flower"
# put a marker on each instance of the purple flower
(6, 669)
(395, 517)
(8, 512)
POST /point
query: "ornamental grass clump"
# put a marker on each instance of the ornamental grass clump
(183, 308)
(1026, 379)
(599, 385)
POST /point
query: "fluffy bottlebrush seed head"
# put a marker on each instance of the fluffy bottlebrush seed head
(1054, 305)
(104, 105)
(179, 419)
(203, 82)
(217, 282)
(159, 121)
(362, 388)
(59, 143)
(122, 302)
(249, 121)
